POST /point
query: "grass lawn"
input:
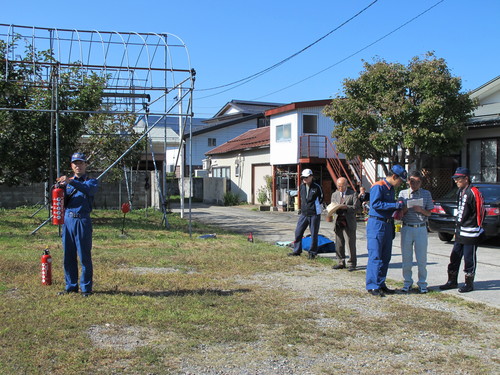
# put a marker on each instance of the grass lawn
(161, 295)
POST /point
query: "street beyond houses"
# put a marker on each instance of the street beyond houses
(272, 226)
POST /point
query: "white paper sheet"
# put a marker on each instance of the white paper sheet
(415, 202)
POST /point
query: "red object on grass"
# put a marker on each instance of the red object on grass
(125, 207)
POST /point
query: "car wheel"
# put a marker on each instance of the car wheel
(445, 236)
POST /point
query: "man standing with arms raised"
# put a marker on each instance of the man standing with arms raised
(311, 198)
(380, 230)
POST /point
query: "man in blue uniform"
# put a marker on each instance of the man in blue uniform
(311, 198)
(77, 228)
(380, 230)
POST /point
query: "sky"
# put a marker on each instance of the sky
(231, 40)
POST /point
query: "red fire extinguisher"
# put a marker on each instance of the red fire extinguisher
(46, 268)
(57, 206)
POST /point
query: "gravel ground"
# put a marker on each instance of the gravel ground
(403, 353)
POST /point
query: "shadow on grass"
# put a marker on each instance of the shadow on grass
(175, 293)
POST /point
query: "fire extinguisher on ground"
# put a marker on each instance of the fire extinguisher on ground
(57, 205)
(46, 267)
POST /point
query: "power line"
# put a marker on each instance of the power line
(353, 54)
(258, 74)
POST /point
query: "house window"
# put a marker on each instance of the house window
(263, 121)
(221, 172)
(212, 142)
(310, 124)
(484, 159)
(284, 133)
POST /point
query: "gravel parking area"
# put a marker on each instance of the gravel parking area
(363, 351)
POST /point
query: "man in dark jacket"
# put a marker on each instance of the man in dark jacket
(311, 198)
(468, 233)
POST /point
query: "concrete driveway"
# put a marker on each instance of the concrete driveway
(279, 226)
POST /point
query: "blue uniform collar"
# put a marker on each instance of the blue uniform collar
(83, 178)
(387, 184)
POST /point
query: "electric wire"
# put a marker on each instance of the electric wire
(352, 54)
(258, 74)
(331, 66)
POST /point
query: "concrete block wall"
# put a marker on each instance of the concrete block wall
(111, 195)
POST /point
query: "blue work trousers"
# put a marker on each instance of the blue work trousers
(77, 241)
(379, 236)
(313, 223)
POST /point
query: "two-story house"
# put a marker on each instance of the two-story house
(232, 120)
(298, 137)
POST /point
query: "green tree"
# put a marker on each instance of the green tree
(107, 137)
(26, 135)
(398, 113)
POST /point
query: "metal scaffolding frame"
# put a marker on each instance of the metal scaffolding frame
(146, 73)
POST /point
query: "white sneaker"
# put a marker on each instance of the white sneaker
(406, 289)
(422, 290)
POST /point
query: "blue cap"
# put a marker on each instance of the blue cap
(400, 171)
(461, 172)
(78, 156)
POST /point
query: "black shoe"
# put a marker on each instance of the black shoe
(64, 292)
(339, 266)
(86, 294)
(311, 255)
(376, 292)
(294, 254)
(352, 268)
(386, 290)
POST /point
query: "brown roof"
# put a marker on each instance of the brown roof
(254, 138)
(297, 105)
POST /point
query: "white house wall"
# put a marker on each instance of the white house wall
(222, 135)
(284, 152)
(242, 184)
(288, 152)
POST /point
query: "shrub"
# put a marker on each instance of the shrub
(231, 199)
(262, 195)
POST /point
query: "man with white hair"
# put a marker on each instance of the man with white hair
(311, 198)
(344, 224)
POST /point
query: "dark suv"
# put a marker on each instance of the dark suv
(442, 219)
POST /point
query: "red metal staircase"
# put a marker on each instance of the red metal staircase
(320, 148)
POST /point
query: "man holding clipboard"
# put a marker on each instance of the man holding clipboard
(414, 231)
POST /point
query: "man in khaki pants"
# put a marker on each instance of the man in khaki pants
(344, 222)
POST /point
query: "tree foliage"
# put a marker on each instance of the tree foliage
(107, 137)
(27, 133)
(397, 113)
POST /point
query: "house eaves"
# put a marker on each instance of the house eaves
(298, 105)
(224, 124)
(246, 106)
(486, 88)
(252, 139)
(482, 122)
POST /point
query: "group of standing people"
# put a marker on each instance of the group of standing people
(413, 207)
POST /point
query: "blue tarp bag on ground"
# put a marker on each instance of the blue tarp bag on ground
(325, 245)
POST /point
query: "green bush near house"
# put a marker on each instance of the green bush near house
(231, 199)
